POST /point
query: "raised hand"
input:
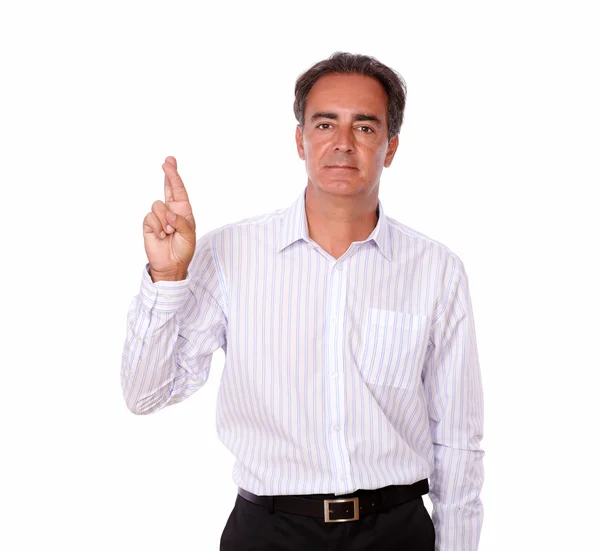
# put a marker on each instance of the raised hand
(170, 229)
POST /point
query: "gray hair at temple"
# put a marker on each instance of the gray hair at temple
(346, 63)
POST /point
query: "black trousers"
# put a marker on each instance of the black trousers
(404, 527)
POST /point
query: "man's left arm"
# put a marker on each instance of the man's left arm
(453, 386)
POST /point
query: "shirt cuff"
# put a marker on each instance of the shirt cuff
(163, 296)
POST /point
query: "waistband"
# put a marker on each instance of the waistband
(342, 508)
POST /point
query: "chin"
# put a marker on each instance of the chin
(341, 187)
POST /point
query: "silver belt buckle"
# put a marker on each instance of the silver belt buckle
(327, 511)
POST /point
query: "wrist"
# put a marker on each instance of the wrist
(178, 275)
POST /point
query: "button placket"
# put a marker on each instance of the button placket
(335, 363)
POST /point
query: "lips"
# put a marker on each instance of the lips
(342, 167)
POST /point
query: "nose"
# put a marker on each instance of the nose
(343, 140)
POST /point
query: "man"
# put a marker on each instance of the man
(351, 369)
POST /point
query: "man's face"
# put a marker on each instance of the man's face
(345, 137)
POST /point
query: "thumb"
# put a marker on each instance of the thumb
(180, 224)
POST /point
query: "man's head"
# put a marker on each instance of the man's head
(349, 110)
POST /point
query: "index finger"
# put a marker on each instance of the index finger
(174, 184)
(168, 191)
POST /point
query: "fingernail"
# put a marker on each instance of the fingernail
(170, 228)
(162, 234)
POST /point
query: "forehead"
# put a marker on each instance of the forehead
(357, 93)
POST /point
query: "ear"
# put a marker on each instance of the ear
(391, 151)
(300, 142)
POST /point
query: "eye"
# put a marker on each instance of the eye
(366, 129)
(323, 124)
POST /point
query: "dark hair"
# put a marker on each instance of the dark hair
(345, 63)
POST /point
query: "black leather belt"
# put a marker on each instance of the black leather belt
(332, 508)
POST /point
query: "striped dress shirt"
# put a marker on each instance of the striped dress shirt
(359, 372)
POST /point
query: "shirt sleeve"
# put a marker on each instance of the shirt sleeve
(173, 329)
(455, 406)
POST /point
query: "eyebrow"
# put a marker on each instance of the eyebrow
(357, 117)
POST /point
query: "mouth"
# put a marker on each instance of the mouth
(342, 167)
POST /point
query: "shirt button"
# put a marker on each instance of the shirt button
(334, 374)
(336, 428)
(340, 267)
(167, 297)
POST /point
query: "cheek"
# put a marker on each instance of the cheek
(311, 151)
(377, 157)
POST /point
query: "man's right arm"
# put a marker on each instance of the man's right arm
(173, 328)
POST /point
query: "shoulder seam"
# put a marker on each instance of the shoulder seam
(406, 230)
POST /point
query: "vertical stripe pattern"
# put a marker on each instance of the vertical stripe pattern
(359, 372)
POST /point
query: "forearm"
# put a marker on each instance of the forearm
(149, 364)
(455, 487)
(172, 332)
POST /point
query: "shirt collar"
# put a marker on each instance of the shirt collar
(294, 227)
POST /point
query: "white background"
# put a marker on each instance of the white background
(498, 159)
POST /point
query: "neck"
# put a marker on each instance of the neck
(336, 221)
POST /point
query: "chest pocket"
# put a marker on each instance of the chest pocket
(392, 348)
